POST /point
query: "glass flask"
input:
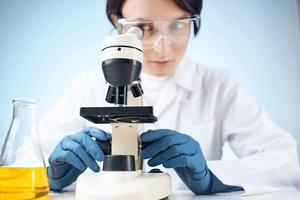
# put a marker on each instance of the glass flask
(23, 174)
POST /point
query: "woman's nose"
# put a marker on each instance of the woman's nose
(162, 45)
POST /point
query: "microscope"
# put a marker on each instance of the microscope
(122, 175)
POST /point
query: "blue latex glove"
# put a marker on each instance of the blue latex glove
(183, 153)
(73, 155)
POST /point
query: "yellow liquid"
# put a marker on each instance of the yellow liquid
(23, 183)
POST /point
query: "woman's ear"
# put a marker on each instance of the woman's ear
(114, 18)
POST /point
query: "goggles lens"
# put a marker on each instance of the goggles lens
(174, 31)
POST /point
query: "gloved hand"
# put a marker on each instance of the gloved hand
(73, 155)
(183, 153)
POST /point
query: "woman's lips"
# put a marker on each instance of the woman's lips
(161, 62)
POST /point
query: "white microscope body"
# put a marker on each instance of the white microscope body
(122, 175)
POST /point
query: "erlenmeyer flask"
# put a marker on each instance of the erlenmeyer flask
(23, 174)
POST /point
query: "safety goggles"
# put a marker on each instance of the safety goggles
(177, 32)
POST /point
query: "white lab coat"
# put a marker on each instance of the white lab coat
(211, 106)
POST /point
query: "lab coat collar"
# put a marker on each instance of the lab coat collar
(180, 87)
(186, 74)
(168, 95)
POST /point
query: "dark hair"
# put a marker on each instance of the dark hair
(194, 7)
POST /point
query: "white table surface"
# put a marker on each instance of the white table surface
(69, 194)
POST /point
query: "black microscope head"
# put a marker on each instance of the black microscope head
(120, 72)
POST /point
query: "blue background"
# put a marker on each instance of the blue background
(44, 44)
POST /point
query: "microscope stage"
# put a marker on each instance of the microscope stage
(128, 114)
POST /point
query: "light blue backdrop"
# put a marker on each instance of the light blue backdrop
(44, 44)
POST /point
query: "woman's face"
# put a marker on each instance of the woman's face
(163, 58)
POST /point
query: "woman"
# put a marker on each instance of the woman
(199, 109)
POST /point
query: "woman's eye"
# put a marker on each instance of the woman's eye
(145, 27)
(177, 25)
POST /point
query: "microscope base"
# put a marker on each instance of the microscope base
(133, 185)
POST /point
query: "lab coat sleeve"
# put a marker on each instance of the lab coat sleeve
(267, 156)
(62, 119)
